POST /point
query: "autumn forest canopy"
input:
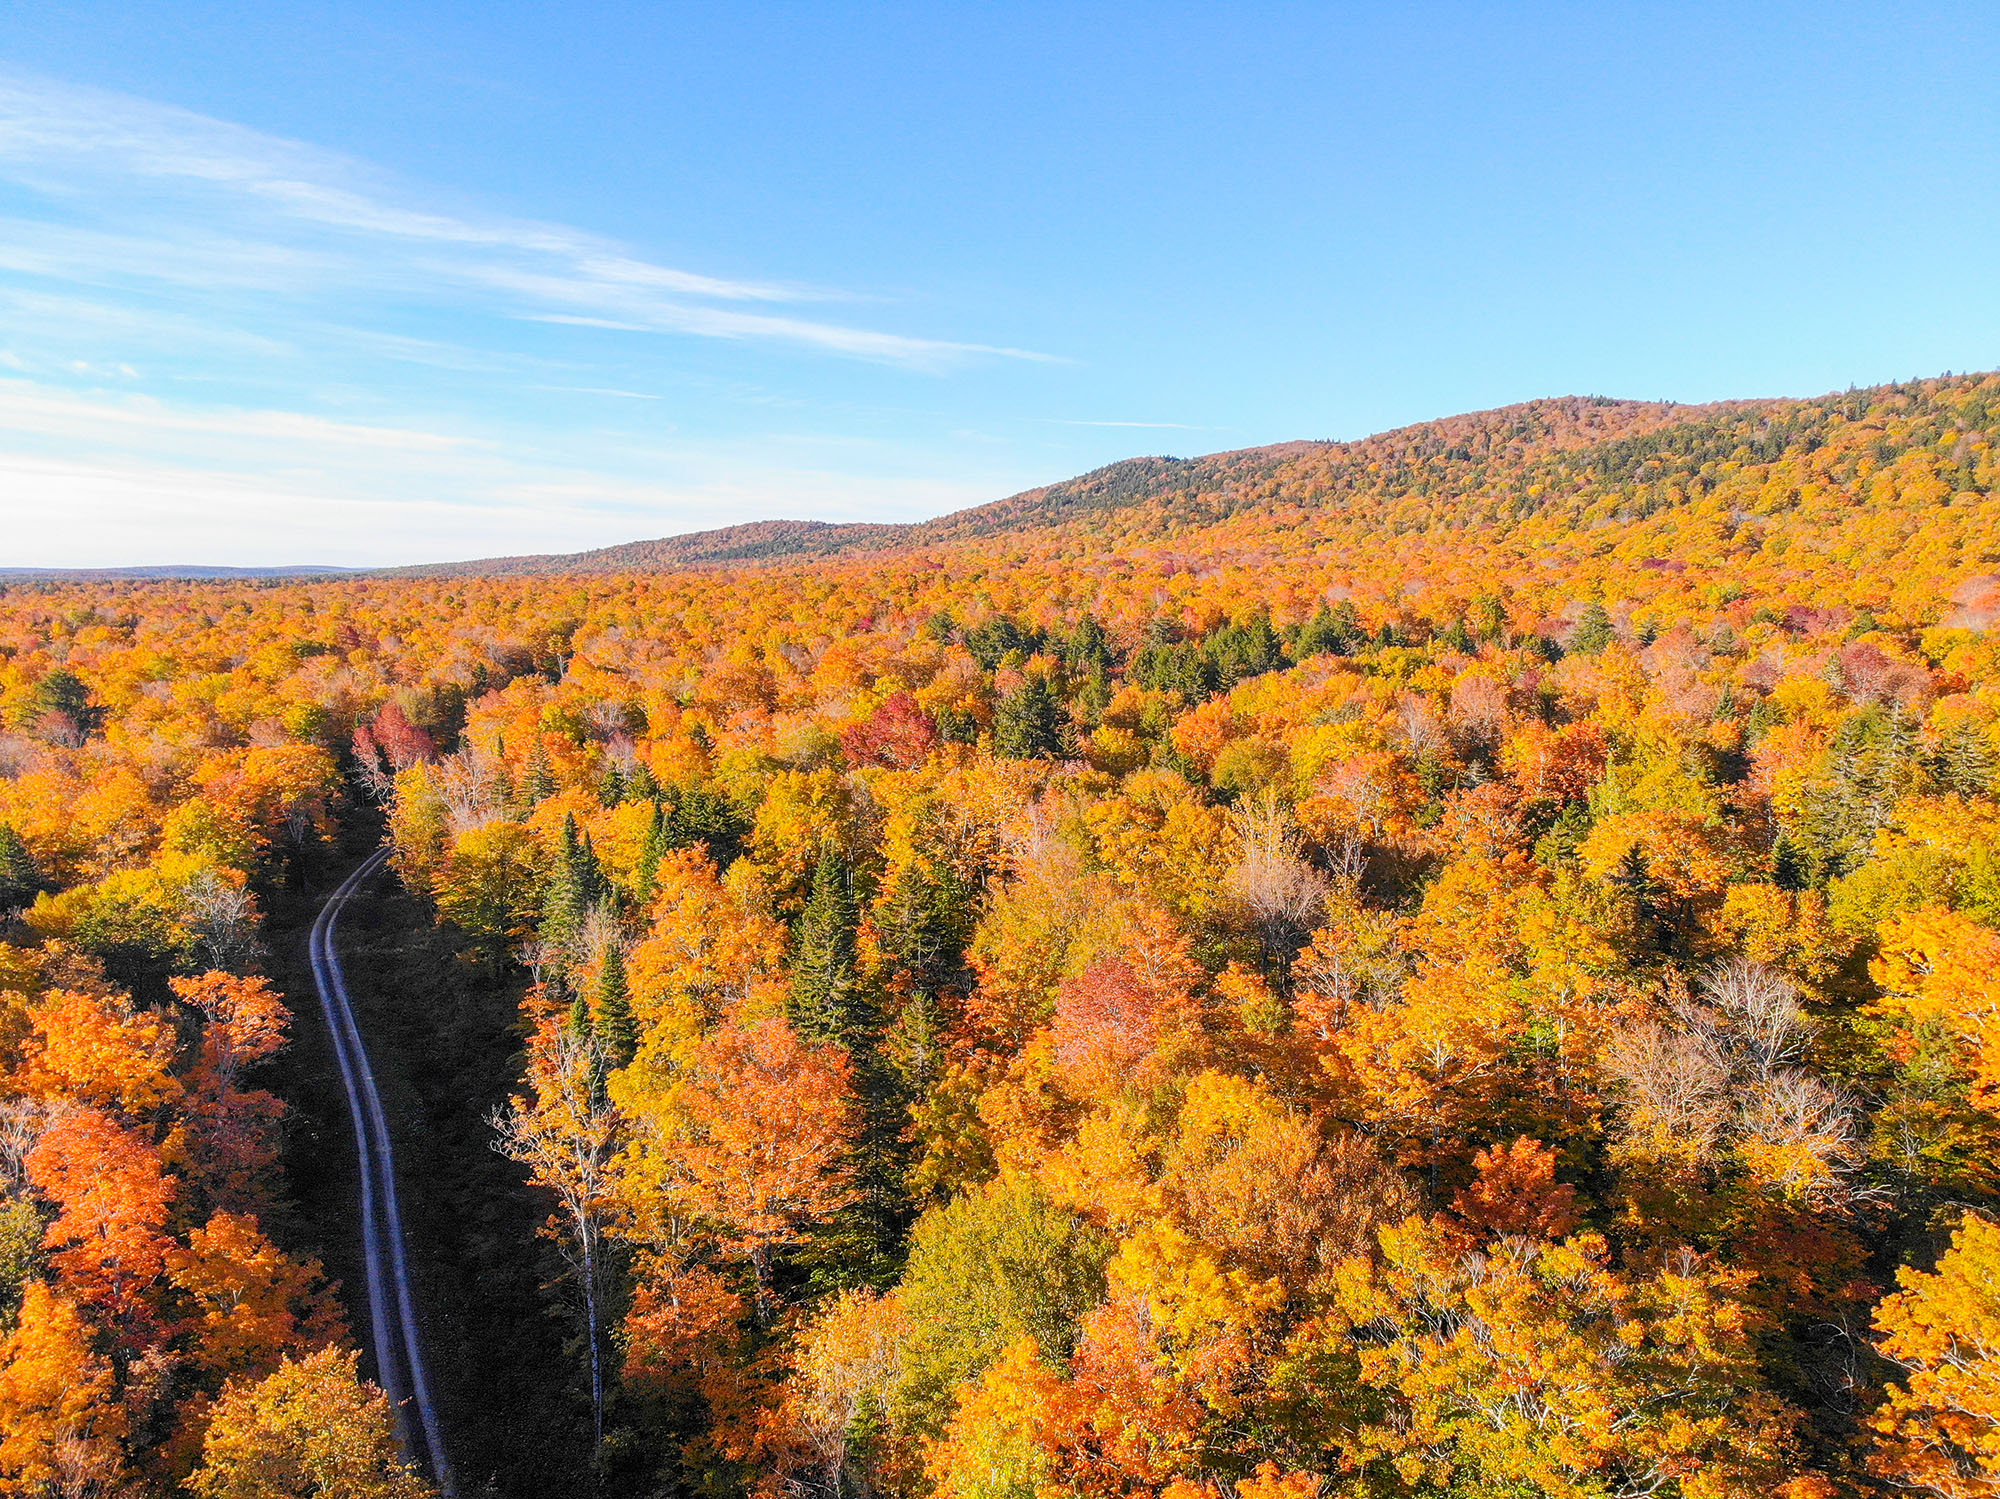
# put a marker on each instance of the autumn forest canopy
(1460, 963)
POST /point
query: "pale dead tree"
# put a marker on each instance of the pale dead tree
(18, 755)
(1284, 896)
(1360, 784)
(374, 774)
(1806, 1134)
(1755, 1016)
(85, 1467)
(1419, 725)
(1676, 1089)
(23, 1122)
(468, 784)
(601, 931)
(1362, 967)
(1347, 857)
(622, 751)
(224, 917)
(611, 717)
(544, 960)
(1479, 708)
(1337, 983)
(1727, 1077)
(566, 1136)
(1042, 860)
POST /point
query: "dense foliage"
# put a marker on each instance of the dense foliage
(1466, 963)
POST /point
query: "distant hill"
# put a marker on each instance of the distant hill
(1542, 471)
(192, 571)
(1173, 492)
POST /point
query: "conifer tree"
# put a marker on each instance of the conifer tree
(1593, 631)
(1027, 725)
(611, 789)
(578, 1020)
(651, 851)
(1965, 760)
(540, 783)
(505, 794)
(641, 785)
(20, 880)
(616, 1026)
(825, 994)
(576, 884)
(830, 1004)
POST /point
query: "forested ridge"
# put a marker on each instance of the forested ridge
(1461, 963)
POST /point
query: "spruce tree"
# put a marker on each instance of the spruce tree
(616, 1025)
(1593, 631)
(654, 848)
(1027, 723)
(20, 880)
(829, 1004)
(1965, 759)
(504, 794)
(578, 1019)
(571, 893)
(540, 783)
(825, 995)
(1320, 635)
(611, 789)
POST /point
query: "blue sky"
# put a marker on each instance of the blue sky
(392, 282)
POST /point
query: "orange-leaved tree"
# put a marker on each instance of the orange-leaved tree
(1939, 1431)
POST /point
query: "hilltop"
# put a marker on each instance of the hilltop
(1202, 488)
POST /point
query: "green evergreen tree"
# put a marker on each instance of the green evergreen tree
(1328, 633)
(862, 1245)
(1027, 724)
(926, 920)
(1593, 631)
(698, 816)
(540, 782)
(575, 885)
(1093, 696)
(62, 691)
(646, 878)
(1965, 762)
(1087, 649)
(1246, 650)
(20, 879)
(641, 785)
(504, 792)
(578, 1019)
(826, 1003)
(616, 1025)
(611, 788)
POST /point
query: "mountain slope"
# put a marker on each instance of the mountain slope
(1172, 490)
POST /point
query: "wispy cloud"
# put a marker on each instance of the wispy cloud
(99, 478)
(1165, 426)
(721, 322)
(228, 347)
(600, 390)
(290, 214)
(26, 407)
